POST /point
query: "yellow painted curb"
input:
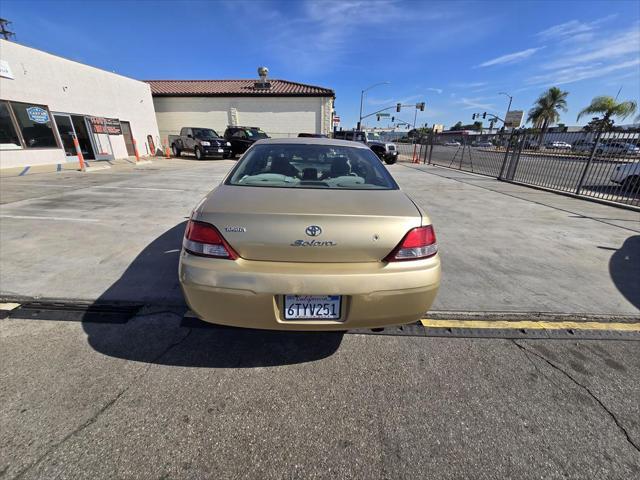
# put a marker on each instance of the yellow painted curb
(532, 325)
(9, 306)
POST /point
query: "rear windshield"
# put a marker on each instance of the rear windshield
(311, 166)
(204, 133)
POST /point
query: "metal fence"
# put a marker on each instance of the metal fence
(605, 166)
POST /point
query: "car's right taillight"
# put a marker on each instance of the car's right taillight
(419, 242)
(204, 239)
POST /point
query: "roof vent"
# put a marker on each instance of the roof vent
(263, 84)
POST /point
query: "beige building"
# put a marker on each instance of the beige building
(279, 107)
(46, 100)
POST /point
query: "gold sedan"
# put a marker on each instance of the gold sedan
(309, 234)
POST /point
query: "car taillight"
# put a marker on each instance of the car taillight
(419, 242)
(204, 239)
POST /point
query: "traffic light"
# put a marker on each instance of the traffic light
(398, 106)
(484, 115)
(473, 117)
(378, 117)
(420, 106)
(393, 119)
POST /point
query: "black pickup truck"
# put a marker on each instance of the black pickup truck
(201, 142)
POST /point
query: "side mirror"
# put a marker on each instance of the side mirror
(189, 136)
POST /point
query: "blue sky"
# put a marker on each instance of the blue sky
(455, 55)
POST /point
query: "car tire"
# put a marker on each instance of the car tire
(198, 152)
(175, 150)
(226, 156)
(631, 182)
(390, 161)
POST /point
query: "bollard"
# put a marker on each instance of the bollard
(415, 158)
(167, 150)
(135, 149)
(79, 154)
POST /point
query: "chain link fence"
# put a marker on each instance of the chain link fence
(604, 166)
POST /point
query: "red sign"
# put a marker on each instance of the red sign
(110, 126)
(336, 119)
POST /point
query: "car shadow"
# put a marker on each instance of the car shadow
(624, 268)
(148, 291)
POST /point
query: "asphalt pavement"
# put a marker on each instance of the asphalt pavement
(158, 397)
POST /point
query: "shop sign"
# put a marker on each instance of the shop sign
(110, 126)
(38, 115)
(5, 70)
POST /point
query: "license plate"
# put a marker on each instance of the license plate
(312, 307)
(220, 150)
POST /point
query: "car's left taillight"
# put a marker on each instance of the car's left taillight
(204, 239)
(418, 243)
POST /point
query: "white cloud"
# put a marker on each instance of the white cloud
(582, 72)
(437, 90)
(469, 85)
(480, 103)
(573, 29)
(511, 57)
(624, 44)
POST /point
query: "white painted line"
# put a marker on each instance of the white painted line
(23, 184)
(141, 188)
(61, 219)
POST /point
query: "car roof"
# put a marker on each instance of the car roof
(312, 141)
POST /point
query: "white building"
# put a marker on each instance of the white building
(279, 107)
(45, 100)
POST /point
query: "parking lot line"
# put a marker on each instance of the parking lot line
(62, 219)
(532, 325)
(141, 188)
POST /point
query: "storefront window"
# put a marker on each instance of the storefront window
(35, 124)
(8, 135)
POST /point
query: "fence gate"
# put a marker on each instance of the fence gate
(590, 164)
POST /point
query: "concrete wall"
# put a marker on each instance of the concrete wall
(70, 87)
(277, 116)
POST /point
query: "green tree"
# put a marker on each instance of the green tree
(609, 108)
(457, 126)
(545, 111)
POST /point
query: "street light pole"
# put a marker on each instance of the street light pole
(509, 107)
(362, 99)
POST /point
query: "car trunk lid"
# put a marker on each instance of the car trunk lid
(309, 225)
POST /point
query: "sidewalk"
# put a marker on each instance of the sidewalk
(115, 235)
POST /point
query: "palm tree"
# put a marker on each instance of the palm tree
(545, 111)
(609, 107)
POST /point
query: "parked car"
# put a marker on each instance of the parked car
(386, 151)
(452, 143)
(484, 144)
(348, 248)
(241, 138)
(583, 146)
(627, 175)
(202, 142)
(312, 135)
(618, 148)
(557, 145)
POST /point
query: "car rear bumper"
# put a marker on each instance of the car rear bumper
(250, 294)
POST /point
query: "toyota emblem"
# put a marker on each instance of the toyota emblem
(313, 230)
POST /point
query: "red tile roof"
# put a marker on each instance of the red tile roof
(235, 88)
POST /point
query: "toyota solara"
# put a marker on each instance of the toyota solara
(309, 234)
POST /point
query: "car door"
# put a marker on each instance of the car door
(239, 142)
(188, 140)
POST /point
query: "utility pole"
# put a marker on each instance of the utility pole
(6, 34)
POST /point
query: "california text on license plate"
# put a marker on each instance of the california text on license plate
(312, 307)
